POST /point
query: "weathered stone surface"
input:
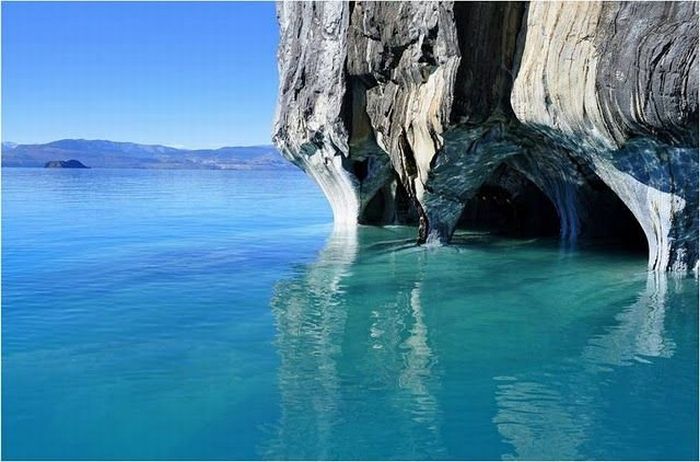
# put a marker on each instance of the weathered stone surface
(616, 83)
(309, 127)
(406, 54)
(405, 111)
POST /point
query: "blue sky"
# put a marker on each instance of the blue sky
(180, 74)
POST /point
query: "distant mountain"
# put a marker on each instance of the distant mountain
(111, 154)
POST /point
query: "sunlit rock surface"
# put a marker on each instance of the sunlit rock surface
(476, 114)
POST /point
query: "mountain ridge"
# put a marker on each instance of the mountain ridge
(124, 154)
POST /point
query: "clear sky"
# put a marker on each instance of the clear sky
(180, 74)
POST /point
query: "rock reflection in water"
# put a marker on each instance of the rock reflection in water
(322, 327)
(545, 421)
(310, 320)
(486, 349)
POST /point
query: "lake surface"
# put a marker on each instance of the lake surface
(217, 315)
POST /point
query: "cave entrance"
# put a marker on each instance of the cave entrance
(508, 204)
(376, 209)
(608, 222)
(391, 204)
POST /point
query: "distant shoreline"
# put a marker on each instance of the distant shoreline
(291, 168)
(111, 154)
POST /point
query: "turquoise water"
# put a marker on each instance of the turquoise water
(217, 315)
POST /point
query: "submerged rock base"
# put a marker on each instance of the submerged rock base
(573, 118)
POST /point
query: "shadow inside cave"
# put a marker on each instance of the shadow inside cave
(391, 204)
(522, 201)
(525, 213)
(510, 204)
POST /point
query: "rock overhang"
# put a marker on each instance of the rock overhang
(421, 102)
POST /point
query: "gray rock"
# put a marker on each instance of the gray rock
(405, 111)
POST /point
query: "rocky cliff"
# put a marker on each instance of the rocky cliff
(577, 117)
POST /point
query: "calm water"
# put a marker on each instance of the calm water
(215, 315)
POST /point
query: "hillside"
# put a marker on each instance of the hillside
(111, 154)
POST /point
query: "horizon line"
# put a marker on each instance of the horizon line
(172, 146)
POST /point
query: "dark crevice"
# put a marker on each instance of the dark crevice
(346, 106)
(354, 112)
(409, 160)
(360, 169)
(300, 84)
(391, 56)
(368, 80)
(428, 48)
(406, 212)
(487, 33)
(410, 173)
(519, 43)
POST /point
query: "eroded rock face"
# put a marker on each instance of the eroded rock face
(410, 111)
(616, 84)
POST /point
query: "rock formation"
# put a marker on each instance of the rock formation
(448, 114)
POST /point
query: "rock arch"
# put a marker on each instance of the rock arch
(385, 104)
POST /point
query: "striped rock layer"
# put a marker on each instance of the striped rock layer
(467, 114)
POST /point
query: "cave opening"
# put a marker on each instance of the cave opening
(607, 221)
(510, 205)
(391, 204)
(375, 210)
